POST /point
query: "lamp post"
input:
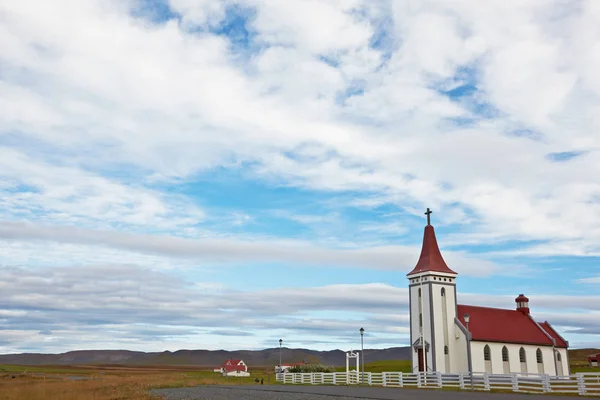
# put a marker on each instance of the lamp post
(280, 342)
(467, 318)
(362, 355)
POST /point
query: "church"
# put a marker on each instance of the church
(451, 338)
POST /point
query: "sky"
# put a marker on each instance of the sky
(217, 174)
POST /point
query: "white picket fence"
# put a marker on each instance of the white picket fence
(580, 383)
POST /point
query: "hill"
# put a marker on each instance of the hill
(205, 358)
(211, 358)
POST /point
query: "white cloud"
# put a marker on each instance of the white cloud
(99, 107)
(108, 306)
(591, 280)
(233, 250)
(132, 92)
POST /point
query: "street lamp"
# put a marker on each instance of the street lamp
(362, 355)
(467, 318)
(280, 342)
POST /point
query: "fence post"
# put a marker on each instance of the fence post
(439, 378)
(461, 380)
(418, 379)
(383, 379)
(369, 376)
(486, 380)
(334, 375)
(546, 383)
(515, 382)
(312, 379)
(580, 384)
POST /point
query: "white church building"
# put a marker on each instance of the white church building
(463, 338)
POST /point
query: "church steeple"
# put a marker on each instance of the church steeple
(432, 304)
(431, 258)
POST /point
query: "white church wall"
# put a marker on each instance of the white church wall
(497, 367)
(427, 332)
(459, 356)
(415, 330)
(564, 360)
(444, 327)
(437, 332)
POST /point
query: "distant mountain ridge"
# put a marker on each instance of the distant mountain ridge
(204, 358)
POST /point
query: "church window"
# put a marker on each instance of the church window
(539, 357)
(504, 354)
(522, 357)
(487, 356)
(558, 357)
(421, 319)
(419, 292)
(443, 292)
(446, 350)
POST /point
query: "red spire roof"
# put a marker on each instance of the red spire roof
(431, 259)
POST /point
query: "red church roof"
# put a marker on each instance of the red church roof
(431, 259)
(560, 342)
(509, 326)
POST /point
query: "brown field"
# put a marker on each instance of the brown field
(106, 382)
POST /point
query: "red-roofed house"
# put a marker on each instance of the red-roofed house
(233, 368)
(594, 360)
(451, 337)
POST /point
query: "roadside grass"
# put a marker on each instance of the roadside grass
(106, 383)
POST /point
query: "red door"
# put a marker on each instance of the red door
(420, 357)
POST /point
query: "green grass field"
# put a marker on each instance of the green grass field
(384, 366)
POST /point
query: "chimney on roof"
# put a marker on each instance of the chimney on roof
(522, 304)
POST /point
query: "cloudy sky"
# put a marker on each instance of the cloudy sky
(225, 173)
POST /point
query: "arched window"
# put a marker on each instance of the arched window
(443, 291)
(522, 357)
(487, 356)
(419, 292)
(505, 363)
(558, 357)
(446, 350)
(421, 319)
(540, 361)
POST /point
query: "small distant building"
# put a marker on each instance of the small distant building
(233, 368)
(594, 360)
(286, 367)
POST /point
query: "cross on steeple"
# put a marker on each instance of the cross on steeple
(428, 213)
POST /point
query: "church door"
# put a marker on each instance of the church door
(420, 357)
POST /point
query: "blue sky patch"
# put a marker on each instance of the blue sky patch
(565, 155)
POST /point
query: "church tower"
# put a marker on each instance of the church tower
(432, 294)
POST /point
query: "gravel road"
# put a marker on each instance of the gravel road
(280, 392)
